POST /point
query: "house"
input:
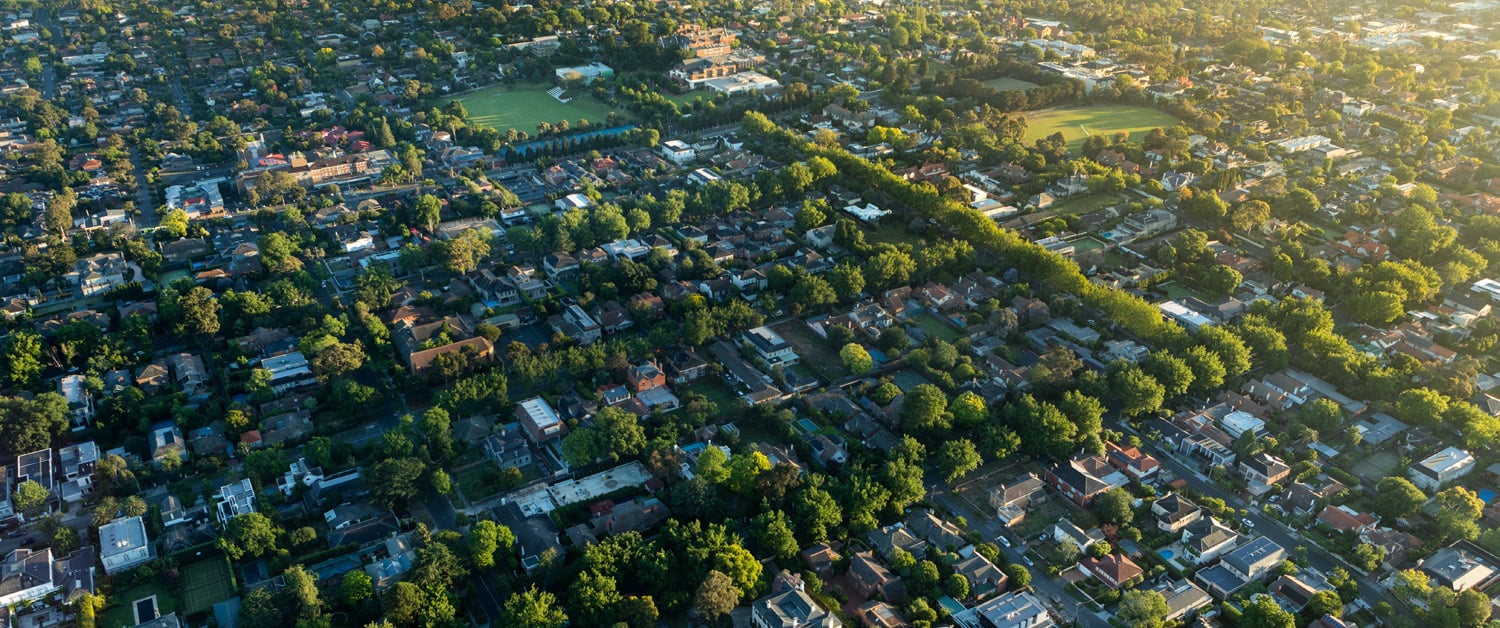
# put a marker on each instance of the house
(477, 349)
(1012, 500)
(76, 468)
(1207, 539)
(561, 267)
(771, 347)
(539, 420)
(396, 556)
(508, 450)
(1440, 468)
(870, 578)
(80, 402)
(1292, 592)
(983, 576)
(1131, 460)
(289, 371)
(234, 499)
(1084, 477)
(1461, 566)
(821, 559)
(26, 575)
(1012, 610)
(890, 538)
(575, 323)
(1183, 599)
(678, 152)
(1065, 531)
(936, 531)
(189, 372)
(1174, 512)
(1255, 559)
(683, 367)
(792, 608)
(874, 614)
(645, 376)
(123, 545)
(166, 441)
(1263, 469)
(1346, 519)
(1114, 570)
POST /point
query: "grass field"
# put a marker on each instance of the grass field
(1077, 123)
(1007, 84)
(523, 107)
(204, 584)
(1085, 204)
(120, 613)
(937, 328)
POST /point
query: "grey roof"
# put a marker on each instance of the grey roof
(1248, 557)
(121, 535)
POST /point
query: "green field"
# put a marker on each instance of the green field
(1077, 123)
(1007, 84)
(523, 107)
(204, 584)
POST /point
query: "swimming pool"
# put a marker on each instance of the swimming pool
(807, 425)
(1166, 553)
(1487, 495)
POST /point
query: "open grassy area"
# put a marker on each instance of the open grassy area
(1007, 84)
(121, 610)
(1077, 123)
(937, 328)
(1079, 205)
(813, 350)
(523, 107)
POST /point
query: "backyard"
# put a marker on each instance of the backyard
(1008, 84)
(1078, 123)
(813, 350)
(938, 328)
(1085, 204)
(524, 107)
(199, 586)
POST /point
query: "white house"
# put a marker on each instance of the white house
(678, 151)
(1442, 467)
(234, 499)
(771, 347)
(123, 545)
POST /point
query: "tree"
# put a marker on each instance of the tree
(337, 360)
(1174, 374)
(404, 601)
(1325, 603)
(956, 586)
(772, 531)
(1396, 497)
(355, 589)
(956, 458)
(1473, 608)
(428, 211)
(889, 269)
(483, 542)
(1264, 612)
(1136, 391)
(436, 567)
(1019, 575)
(1114, 507)
(925, 410)
(1208, 370)
(23, 358)
(615, 434)
(1250, 215)
(59, 216)
(464, 252)
(1142, 608)
(250, 534)
(200, 312)
(817, 513)
(302, 592)
(716, 596)
(1458, 510)
(1421, 406)
(968, 410)
(856, 358)
(31, 497)
(394, 481)
(848, 281)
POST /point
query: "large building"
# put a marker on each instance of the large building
(539, 420)
(1013, 610)
(123, 545)
(1440, 468)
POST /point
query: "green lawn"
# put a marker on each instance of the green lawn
(937, 328)
(121, 610)
(1007, 84)
(205, 583)
(1085, 204)
(523, 107)
(1077, 123)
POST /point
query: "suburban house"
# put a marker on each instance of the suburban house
(1207, 539)
(1262, 470)
(1084, 477)
(1012, 500)
(1012, 610)
(508, 450)
(27, 575)
(871, 578)
(788, 606)
(771, 347)
(539, 420)
(937, 531)
(1114, 570)
(1174, 512)
(1183, 599)
(1461, 566)
(1132, 461)
(166, 441)
(123, 545)
(890, 538)
(234, 499)
(1255, 559)
(1440, 468)
(983, 576)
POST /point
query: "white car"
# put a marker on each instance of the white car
(1003, 541)
(1248, 523)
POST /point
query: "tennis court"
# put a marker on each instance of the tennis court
(205, 583)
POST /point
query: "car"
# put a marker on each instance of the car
(1027, 560)
(1003, 541)
(1248, 523)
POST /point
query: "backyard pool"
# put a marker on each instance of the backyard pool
(1487, 495)
(807, 426)
(1166, 553)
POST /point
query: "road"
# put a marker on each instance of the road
(1317, 557)
(145, 201)
(1051, 588)
(59, 41)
